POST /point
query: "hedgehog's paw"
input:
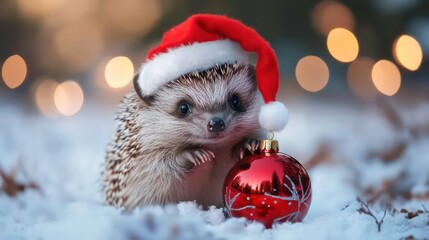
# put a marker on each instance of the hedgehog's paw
(251, 145)
(248, 146)
(200, 156)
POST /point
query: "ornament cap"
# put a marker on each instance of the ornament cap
(269, 146)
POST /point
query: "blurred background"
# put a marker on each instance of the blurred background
(354, 75)
(59, 56)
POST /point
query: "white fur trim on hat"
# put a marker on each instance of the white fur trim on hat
(168, 66)
(273, 116)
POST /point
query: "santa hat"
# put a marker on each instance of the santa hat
(201, 42)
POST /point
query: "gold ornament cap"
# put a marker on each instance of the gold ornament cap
(269, 144)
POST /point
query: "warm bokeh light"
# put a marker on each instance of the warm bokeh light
(119, 72)
(78, 45)
(68, 98)
(386, 77)
(312, 73)
(133, 16)
(359, 78)
(342, 44)
(407, 52)
(44, 96)
(14, 71)
(327, 15)
(39, 7)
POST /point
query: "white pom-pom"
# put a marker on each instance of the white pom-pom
(273, 116)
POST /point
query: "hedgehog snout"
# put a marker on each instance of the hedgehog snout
(216, 125)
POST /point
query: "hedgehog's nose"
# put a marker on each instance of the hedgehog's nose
(216, 125)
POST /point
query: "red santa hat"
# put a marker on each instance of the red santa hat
(201, 42)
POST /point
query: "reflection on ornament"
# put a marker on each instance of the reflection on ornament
(269, 187)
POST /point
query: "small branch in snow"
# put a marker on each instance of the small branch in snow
(11, 187)
(425, 209)
(365, 210)
(411, 214)
(394, 118)
(390, 113)
(409, 237)
(322, 155)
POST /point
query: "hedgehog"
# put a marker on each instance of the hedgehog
(179, 143)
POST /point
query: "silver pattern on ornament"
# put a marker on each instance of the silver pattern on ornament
(305, 193)
(295, 216)
(230, 201)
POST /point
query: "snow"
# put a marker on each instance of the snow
(63, 156)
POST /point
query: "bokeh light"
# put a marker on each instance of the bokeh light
(68, 98)
(134, 17)
(78, 45)
(38, 8)
(342, 44)
(407, 52)
(14, 71)
(119, 72)
(386, 77)
(327, 15)
(44, 96)
(312, 73)
(359, 78)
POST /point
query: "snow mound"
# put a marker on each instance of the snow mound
(55, 168)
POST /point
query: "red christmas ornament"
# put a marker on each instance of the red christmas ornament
(269, 187)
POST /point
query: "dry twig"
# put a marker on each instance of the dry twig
(424, 208)
(393, 117)
(365, 210)
(390, 113)
(11, 187)
(411, 214)
(322, 155)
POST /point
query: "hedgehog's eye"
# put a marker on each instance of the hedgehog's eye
(184, 109)
(235, 103)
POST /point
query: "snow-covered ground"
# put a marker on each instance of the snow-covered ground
(350, 151)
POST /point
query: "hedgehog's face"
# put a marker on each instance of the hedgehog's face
(217, 105)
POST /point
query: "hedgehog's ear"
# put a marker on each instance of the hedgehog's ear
(251, 73)
(146, 99)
